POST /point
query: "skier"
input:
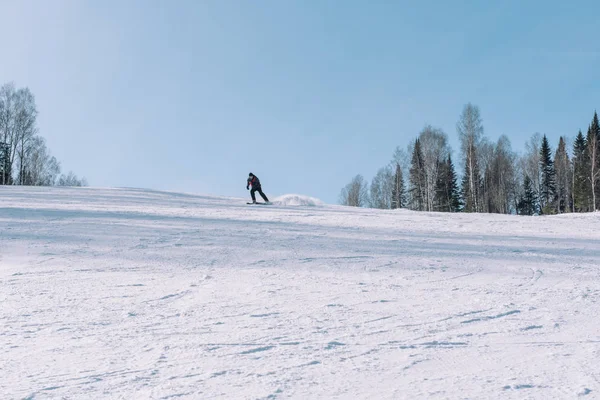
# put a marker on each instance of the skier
(255, 183)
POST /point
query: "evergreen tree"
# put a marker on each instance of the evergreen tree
(562, 167)
(580, 184)
(417, 179)
(548, 184)
(5, 165)
(455, 202)
(399, 190)
(447, 192)
(442, 198)
(593, 149)
(528, 205)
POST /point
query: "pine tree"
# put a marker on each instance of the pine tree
(417, 179)
(580, 184)
(455, 202)
(562, 167)
(593, 148)
(399, 190)
(548, 184)
(5, 165)
(528, 205)
(442, 192)
(447, 192)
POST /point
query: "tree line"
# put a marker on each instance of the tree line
(24, 156)
(494, 178)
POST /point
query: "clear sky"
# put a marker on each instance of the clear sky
(191, 95)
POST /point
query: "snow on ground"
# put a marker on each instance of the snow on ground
(128, 293)
(297, 200)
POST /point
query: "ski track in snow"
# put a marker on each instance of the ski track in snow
(128, 293)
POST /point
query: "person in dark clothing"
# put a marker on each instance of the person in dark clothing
(255, 183)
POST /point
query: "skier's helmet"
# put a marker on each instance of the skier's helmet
(250, 174)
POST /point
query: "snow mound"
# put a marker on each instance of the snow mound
(297, 200)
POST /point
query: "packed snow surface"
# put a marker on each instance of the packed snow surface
(141, 294)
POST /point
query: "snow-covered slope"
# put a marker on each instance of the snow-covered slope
(140, 294)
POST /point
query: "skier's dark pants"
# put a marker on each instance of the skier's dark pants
(259, 190)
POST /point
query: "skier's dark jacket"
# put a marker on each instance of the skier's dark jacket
(254, 181)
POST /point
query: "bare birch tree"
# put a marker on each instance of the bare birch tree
(382, 189)
(23, 154)
(434, 150)
(39, 167)
(25, 129)
(502, 181)
(485, 161)
(71, 180)
(7, 97)
(531, 162)
(355, 193)
(470, 134)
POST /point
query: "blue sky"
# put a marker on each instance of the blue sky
(192, 95)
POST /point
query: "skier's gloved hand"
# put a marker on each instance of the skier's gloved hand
(247, 188)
